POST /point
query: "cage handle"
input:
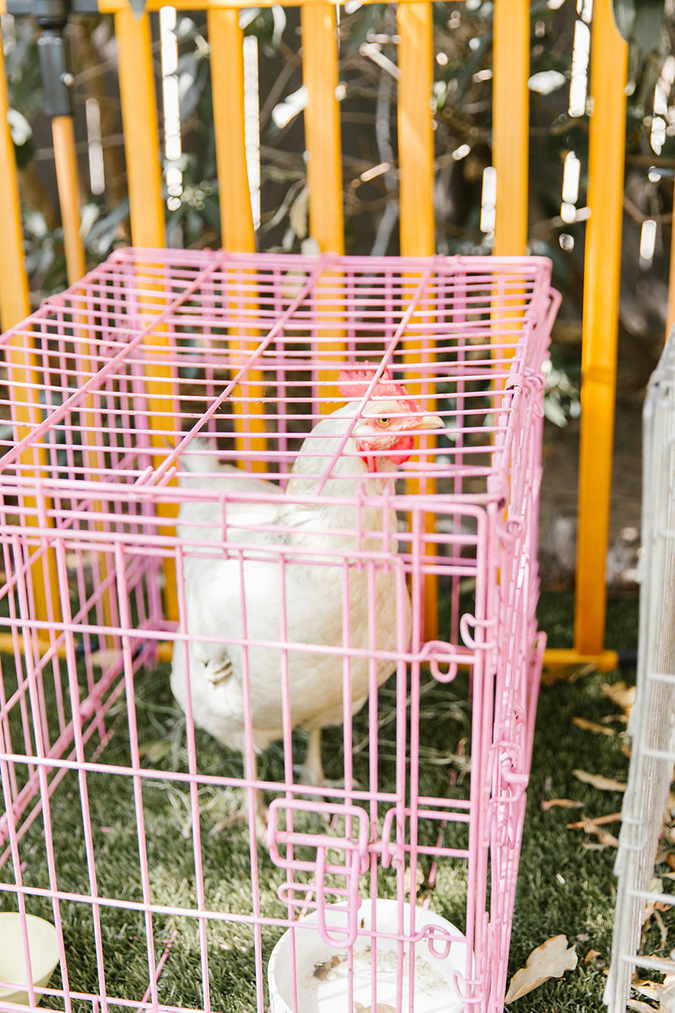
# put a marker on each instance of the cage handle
(437, 652)
(468, 999)
(353, 901)
(392, 854)
(433, 933)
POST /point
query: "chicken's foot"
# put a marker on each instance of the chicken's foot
(311, 771)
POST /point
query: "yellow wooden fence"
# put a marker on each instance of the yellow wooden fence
(322, 131)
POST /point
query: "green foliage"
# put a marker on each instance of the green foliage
(462, 99)
(23, 69)
(640, 21)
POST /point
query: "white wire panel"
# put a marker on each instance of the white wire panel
(652, 722)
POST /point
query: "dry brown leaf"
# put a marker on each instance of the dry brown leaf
(550, 960)
(666, 993)
(407, 877)
(591, 955)
(644, 987)
(663, 991)
(609, 840)
(323, 969)
(604, 836)
(598, 820)
(620, 694)
(103, 658)
(665, 852)
(565, 673)
(564, 803)
(598, 781)
(382, 1007)
(653, 910)
(658, 918)
(640, 1007)
(593, 726)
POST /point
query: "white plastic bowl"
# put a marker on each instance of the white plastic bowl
(327, 992)
(44, 955)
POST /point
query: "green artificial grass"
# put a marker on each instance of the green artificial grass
(565, 886)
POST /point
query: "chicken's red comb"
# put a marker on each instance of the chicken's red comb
(353, 383)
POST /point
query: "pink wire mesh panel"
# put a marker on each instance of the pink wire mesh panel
(270, 660)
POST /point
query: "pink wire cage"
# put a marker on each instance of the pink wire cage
(126, 826)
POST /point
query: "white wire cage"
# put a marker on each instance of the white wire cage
(652, 722)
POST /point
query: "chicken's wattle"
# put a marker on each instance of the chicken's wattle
(398, 453)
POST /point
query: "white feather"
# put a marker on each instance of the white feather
(238, 596)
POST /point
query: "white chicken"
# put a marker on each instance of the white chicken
(236, 594)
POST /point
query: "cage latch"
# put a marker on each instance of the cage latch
(468, 620)
(392, 853)
(437, 653)
(340, 930)
(438, 940)
(470, 991)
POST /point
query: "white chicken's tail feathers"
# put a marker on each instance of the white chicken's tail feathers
(199, 466)
(200, 457)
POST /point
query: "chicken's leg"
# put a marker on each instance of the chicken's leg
(259, 812)
(311, 772)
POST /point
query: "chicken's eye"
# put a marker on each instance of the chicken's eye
(383, 422)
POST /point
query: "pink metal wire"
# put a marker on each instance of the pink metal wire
(113, 381)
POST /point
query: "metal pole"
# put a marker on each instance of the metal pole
(57, 82)
(600, 323)
(511, 128)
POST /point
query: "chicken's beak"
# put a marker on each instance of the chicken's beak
(428, 422)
